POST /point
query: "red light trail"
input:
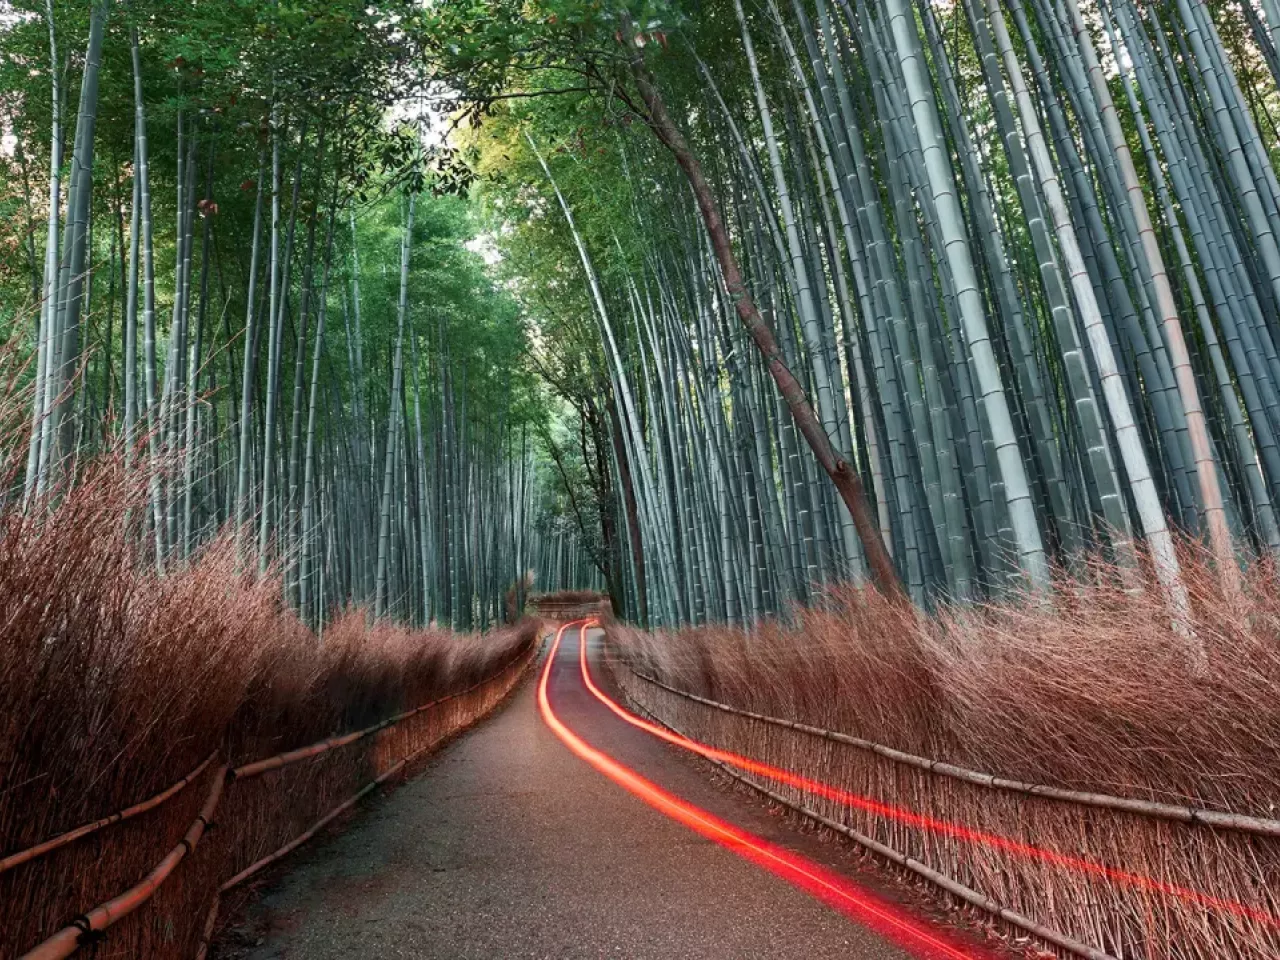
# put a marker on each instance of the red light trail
(933, 825)
(827, 886)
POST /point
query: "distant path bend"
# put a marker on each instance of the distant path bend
(511, 846)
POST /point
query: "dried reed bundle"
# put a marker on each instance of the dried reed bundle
(1092, 692)
(118, 683)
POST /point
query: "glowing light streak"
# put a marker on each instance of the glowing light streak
(910, 817)
(827, 886)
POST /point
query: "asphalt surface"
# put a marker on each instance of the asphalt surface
(510, 846)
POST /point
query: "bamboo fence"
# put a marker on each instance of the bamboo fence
(1087, 874)
(250, 822)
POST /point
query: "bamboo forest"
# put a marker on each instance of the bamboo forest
(900, 371)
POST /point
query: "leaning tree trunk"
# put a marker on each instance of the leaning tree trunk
(837, 468)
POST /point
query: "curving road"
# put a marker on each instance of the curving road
(563, 833)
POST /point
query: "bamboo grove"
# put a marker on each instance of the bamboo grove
(1020, 256)
(228, 262)
(954, 297)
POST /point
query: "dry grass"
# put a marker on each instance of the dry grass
(1093, 693)
(116, 683)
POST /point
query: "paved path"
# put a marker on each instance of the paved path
(510, 847)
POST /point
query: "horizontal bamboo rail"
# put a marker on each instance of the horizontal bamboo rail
(89, 926)
(279, 760)
(211, 917)
(84, 830)
(1238, 822)
(967, 894)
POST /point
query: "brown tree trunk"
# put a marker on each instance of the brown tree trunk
(842, 474)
